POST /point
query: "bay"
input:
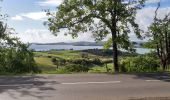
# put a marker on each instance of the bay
(68, 47)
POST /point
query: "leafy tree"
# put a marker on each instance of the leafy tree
(15, 57)
(101, 17)
(159, 31)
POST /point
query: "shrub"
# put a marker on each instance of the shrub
(76, 68)
(80, 61)
(97, 61)
(58, 62)
(17, 60)
(140, 63)
(86, 62)
(15, 57)
(53, 60)
(107, 61)
(62, 62)
(49, 56)
(84, 55)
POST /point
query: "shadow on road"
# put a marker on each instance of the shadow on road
(152, 98)
(152, 76)
(26, 86)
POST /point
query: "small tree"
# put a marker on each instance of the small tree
(15, 57)
(159, 30)
(84, 55)
(55, 62)
(101, 17)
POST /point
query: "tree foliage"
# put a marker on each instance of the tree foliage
(159, 31)
(102, 18)
(15, 57)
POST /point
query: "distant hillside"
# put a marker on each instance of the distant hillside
(81, 43)
(84, 43)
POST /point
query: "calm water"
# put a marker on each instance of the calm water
(68, 47)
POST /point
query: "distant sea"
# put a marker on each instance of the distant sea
(68, 47)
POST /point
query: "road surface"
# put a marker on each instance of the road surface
(86, 87)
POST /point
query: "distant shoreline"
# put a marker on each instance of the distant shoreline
(84, 43)
(68, 45)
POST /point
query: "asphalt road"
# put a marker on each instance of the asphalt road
(86, 87)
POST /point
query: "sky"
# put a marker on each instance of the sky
(27, 17)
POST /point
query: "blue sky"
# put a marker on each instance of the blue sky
(27, 17)
(16, 7)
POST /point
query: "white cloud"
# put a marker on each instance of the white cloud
(152, 1)
(42, 15)
(17, 17)
(35, 15)
(145, 16)
(31, 15)
(44, 36)
(58, 2)
(49, 2)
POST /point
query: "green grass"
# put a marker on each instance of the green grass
(168, 68)
(43, 61)
(101, 69)
(66, 54)
(45, 64)
(59, 54)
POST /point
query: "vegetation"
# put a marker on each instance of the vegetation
(94, 63)
(17, 60)
(141, 63)
(159, 31)
(67, 61)
(102, 17)
(15, 57)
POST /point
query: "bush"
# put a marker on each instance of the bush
(140, 63)
(97, 61)
(84, 55)
(49, 56)
(17, 60)
(76, 68)
(63, 62)
(15, 57)
(107, 61)
(85, 62)
(80, 61)
(53, 60)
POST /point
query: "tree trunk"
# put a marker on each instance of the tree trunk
(114, 36)
(115, 57)
(168, 49)
(115, 50)
(168, 58)
(164, 65)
